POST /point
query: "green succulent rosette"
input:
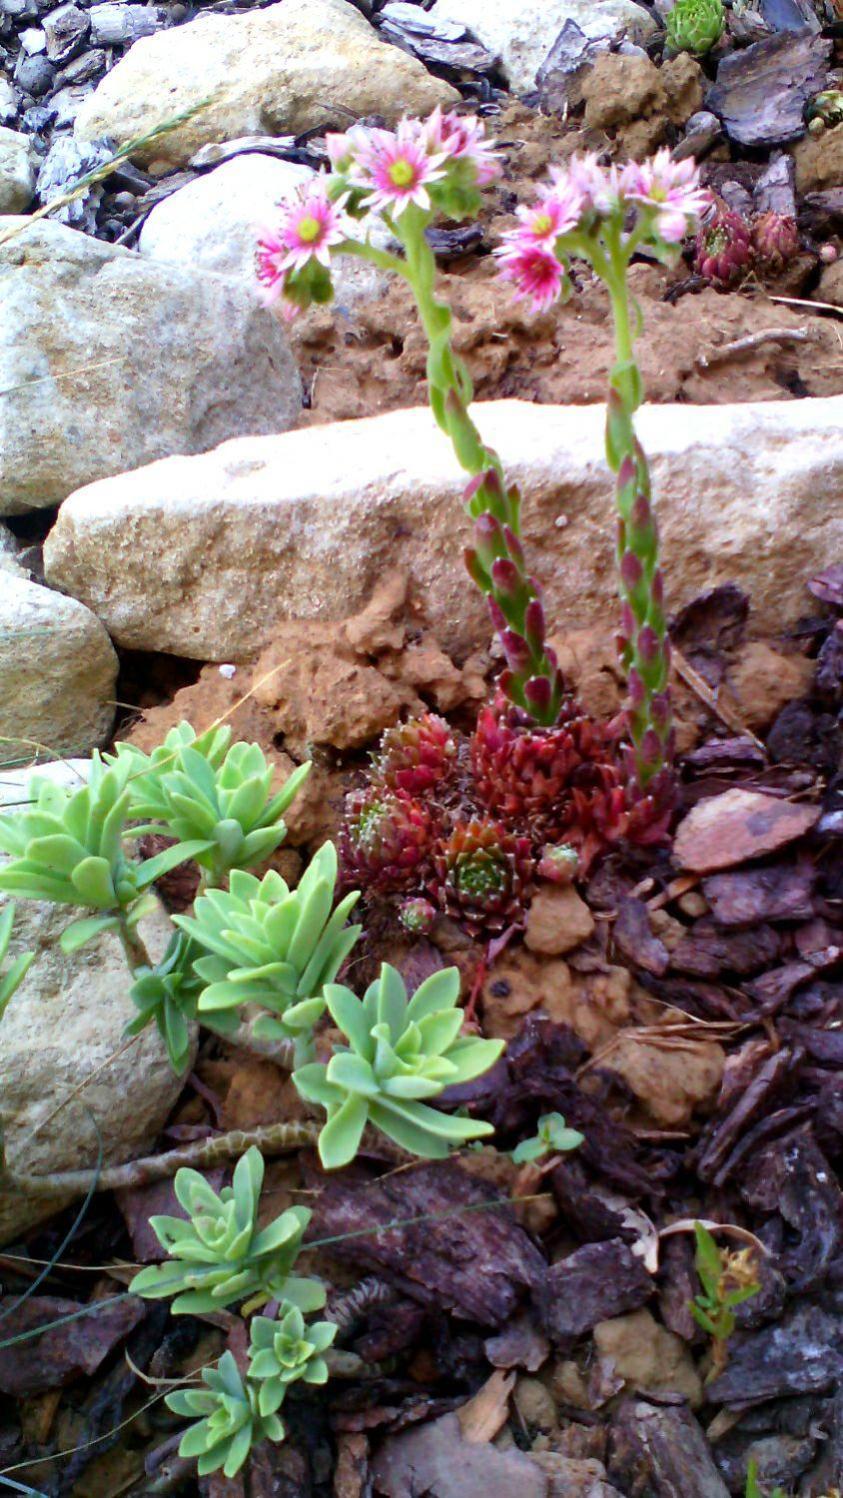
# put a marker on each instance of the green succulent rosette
(695, 26)
(265, 944)
(229, 1422)
(66, 846)
(206, 788)
(218, 1256)
(287, 1350)
(167, 995)
(400, 1054)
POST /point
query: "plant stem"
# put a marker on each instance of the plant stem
(133, 945)
(643, 643)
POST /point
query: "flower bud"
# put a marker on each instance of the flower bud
(507, 579)
(631, 570)
(538, 693)
(648, 645)
(516, 650)
(534, 624)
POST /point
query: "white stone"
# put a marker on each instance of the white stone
(10, 548)
(58, 671)
(17, 171)
(522, 32)
(64, 1061)
(286, 68)
(212, 224)
(124, 361)
(304, 525)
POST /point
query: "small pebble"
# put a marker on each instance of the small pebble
(228, 672)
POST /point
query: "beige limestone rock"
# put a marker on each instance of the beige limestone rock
(62, 1039)
(123, 361)
(58, 671)
(284, 69)
(304, 524)
(819, 160)
(762, 681)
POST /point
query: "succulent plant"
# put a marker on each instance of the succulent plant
(417, 756)
(11, 980)
(598, 814)
(417, 915)
(285, 1350)
(400, 1054)
(695, 26)
(826, 108)
(775, 240)
(551, 1137)
(67, 847)
(218, 1256)
(523, 773)
(385, 839)
(229, 1422)
(168, 994)
(723, 252)
(265, 944)
(204, 788)
(482, 875)
(558, 863)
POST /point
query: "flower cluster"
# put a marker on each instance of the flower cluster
(664, 197)
(439, 163)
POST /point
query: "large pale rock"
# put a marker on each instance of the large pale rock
(17, 171)
(64, 1062)
(303, 525)
(522, 34)
(58, 670)
(212, 224)
(284, 69)
(124, 361)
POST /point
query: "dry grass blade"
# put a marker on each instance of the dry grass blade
(705, 694)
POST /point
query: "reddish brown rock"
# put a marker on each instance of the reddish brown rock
(730, 829)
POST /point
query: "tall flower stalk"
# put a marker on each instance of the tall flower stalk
(410, 176)
(604, 216)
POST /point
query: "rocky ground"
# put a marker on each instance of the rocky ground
(204, 513)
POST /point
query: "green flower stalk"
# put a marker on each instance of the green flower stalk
(229, 1420)
(400, 1054)
(410, 176)
(209, 789)
(265, 944)
(604, 216)
(695, 26)
(218, 1256)
(285, 1351)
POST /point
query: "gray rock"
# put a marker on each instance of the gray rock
(84, 68)
(67, 1077)
(33, 40)
(8, 102)
(157, 359)
(66, 104)
(58, 669)
(64, 164)
(65, 29)
(34, 75)
(114, 24)
(17, 171)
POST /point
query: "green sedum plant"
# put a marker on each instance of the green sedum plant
(67, 847)
(229, 1421)
(219, 1256)
(754, 1489)
(265, 944)
(285, 1350)
(695, 26)
(208, 789)
(551, 1137)
(400, 1054)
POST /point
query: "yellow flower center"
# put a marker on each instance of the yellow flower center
(309, 229)
(401, 173)
(543, 223)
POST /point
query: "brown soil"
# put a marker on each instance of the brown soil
(371, 358)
